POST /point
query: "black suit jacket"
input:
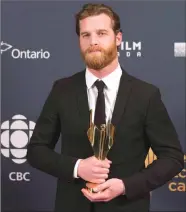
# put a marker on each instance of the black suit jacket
(141, 122)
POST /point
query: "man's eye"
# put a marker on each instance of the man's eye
(102, 33)
(85, 35)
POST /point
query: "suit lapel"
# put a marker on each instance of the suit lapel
(122, 96)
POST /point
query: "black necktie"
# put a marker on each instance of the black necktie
(99, 117)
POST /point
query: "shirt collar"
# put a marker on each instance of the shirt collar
(111, 81)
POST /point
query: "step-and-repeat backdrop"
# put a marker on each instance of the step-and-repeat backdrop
(39, 45)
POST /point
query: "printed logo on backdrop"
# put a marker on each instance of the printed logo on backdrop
(178, 183)
(130, 49)
(17, 53)
(15, 135)
(180, 49)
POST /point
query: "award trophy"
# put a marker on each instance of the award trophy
(101, 139)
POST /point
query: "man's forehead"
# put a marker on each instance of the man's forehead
(101, 21)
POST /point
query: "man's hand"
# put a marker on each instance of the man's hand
(93, 170)
(106, 191)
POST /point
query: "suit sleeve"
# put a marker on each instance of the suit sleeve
(40, 150)
(165, 144)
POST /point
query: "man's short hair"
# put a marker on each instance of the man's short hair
(97, 9)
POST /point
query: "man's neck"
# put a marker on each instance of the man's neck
(106, 70)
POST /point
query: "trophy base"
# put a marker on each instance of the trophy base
(91, 186)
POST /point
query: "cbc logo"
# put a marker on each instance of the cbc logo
(18, 176)
(15, 135)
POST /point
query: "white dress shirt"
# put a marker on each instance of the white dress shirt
(110, 91)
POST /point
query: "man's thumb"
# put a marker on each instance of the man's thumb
(101, 187)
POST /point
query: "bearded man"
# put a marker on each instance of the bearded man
(133, 106)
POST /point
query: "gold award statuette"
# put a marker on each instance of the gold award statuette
(101, 139)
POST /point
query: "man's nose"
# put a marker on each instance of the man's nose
(93, 40)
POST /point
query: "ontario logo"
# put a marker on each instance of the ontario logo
(15, 135)
(25, 53)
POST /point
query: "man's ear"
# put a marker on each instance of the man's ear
(119, 37)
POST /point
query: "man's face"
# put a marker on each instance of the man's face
(98, 43)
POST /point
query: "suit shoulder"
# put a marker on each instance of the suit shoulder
(144, 86)
(143, 89)
(70, 80)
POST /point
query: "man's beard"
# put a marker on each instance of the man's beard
(102, 58)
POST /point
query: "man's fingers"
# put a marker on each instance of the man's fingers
(98, 181)
(106, 164)
(108, 160)
(103, 163)
(102, 187)
(99, 170)
(105, 170)
(95, 197)
(101, 176)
